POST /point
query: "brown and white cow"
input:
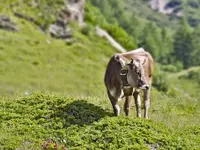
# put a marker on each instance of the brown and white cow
(126, 75)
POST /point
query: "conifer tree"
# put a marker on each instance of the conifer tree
(183, 44)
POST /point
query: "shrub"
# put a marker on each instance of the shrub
(169, 68)
(160, 82)
(192, 75)
(86, 30)
(179, 66)
(120, 36)
(50, 145)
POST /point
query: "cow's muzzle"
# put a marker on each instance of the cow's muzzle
(144, 87)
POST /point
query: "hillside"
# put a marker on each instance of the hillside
(171, 39)
(52, 90)
(32, 60)
(166, 12)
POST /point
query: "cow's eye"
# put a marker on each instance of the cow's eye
(139, 74)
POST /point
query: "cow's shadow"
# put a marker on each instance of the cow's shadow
(79, 113)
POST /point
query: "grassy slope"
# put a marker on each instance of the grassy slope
(189, 8)
(142, 9)
(186, 86)
(81, 124)
(32, 61)
(30, 64)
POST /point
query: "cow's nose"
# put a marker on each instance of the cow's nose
(145, 87)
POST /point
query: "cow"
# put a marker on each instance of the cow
(127, 74)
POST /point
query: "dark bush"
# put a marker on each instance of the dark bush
(86, 30)
(120, 36)
(160, 82)
(169, 68)
(192, 75)
(193, 4)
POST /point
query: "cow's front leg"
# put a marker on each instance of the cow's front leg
(127, 104)
(136, 96)
(115, 106)
(146, 102)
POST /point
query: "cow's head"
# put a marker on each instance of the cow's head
(136, 76)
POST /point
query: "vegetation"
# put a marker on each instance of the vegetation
(151, 32)
(52, 92)
(28, 121)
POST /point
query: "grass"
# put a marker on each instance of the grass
(184, 83)
(79, 123)
(32, 61)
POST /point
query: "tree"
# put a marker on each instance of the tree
(151, 40)
(166, 47)
(196, 41)
(183, 44)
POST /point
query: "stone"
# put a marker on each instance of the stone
(59, 31)
(76, 8)
(7, 24)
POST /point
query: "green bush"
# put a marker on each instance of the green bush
(192, 75)
(160, 82)
(169, 68)
(86, 30)
(121, 36)
(93, 16)
(179, 65)
(160, 79)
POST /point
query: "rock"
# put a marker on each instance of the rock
(59, 31)
(7, 24)
(73, 10)
(59, 28)
(76, 9)
(165, 7)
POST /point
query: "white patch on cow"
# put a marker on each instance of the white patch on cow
(117, 109)
(144, 87)
(113, 92)
(138, 50)
(122, 62)
(121, 95)
(136, 63)
(135, 51)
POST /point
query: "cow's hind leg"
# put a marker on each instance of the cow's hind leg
(115, 106)
(136, 96)
(127, 104)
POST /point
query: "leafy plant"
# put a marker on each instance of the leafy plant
(50, 145)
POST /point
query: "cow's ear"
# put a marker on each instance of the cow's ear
(116, 57)
(145, 57)
(131, 61)
(144, 61)
(136, 62)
